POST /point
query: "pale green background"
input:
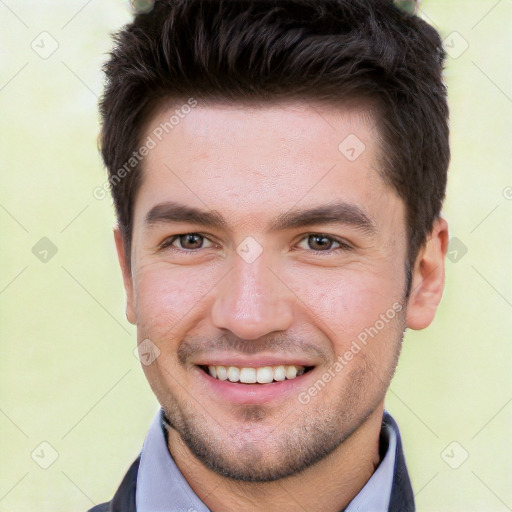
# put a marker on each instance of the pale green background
(68, 372)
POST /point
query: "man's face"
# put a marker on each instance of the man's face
(266, 285)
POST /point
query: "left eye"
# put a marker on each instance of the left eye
(323, 243)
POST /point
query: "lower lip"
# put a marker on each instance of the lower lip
(239, 393)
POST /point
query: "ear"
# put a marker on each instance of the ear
(127, 276)
(428, 278)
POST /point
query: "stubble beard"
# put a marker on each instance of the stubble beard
(255, 452)
(258, 445)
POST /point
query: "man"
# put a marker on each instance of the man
(301, 148)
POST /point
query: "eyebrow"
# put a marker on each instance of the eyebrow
(332, 213)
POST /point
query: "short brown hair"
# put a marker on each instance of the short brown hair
(324, 50)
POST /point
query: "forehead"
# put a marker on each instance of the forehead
(250, 161)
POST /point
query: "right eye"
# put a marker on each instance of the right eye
(189, 242)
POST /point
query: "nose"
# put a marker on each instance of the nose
(252, 301)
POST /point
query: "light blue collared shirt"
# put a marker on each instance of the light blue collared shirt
(162, 488)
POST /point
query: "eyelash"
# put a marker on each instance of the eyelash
(167, 244)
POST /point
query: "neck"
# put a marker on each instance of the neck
(340, 476)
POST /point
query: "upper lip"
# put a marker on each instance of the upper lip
(251, 362)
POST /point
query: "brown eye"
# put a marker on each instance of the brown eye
(319, 242)
(187, 242)
(191, 241)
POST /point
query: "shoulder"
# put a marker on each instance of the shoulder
(103, 507)
(402, 496)
(124, 498)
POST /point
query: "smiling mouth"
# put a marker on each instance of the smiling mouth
(255, 375)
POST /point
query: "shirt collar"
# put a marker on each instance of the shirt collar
(375, 495)
(161, 487)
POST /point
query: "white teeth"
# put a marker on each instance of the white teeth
(265, 375)
(261, 375)
(291, 372)
(233, 374)
(248, 375)
(222, 373)
(279, 373)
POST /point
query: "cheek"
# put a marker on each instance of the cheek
(167, 298)
(344, 305)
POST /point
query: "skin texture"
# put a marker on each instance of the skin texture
(299, 299)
